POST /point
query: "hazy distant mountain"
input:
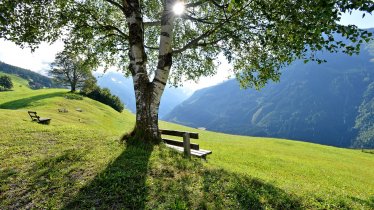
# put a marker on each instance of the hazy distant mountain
(123, 88)
(316, 103)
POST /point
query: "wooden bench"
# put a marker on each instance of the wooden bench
(185, 146)
(63, 110)
(35, 117)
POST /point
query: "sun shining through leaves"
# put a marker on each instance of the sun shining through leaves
(178, 8)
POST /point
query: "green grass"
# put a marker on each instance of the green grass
(321, 175)
(77, 162)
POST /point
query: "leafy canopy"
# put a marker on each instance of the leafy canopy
(70, 69)
(258, 37)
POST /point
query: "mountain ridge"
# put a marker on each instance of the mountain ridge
(35, 80)
(315, 103)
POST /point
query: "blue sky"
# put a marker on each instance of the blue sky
(40, 59)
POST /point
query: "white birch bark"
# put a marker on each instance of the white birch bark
(148, 94)
(165, 56)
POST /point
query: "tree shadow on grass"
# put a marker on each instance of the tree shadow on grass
(6, 173)
(44, 184)
(24, 102)
(369, 151)
(122, 185)
(183, 184)
(168, 181)
(369, 202)
(229, 190)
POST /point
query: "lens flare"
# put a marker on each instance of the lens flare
(178, 8)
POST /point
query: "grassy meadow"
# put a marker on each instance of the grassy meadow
(77, 162)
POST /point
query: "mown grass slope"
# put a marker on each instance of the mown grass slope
(77, 162)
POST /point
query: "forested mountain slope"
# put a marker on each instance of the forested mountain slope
(312, 102)
(35, 80)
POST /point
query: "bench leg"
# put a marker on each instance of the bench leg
(186, 145)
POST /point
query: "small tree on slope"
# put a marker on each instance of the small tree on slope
(148, 41)
(70, 70)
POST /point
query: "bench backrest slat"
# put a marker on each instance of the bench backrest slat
(179, 133)
(33, 115)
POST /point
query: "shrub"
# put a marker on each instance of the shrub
(89, 85)
(6, 82)
(35, 85)
(104, 96)
(73, 96)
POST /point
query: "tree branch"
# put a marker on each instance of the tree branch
(152, 48)
(155, 23)
(123, 49)
(218, 5)
(116, 4)
(203, 44)
(101, 25)
(198, 3)
(185, 16)
(195, 41)
(106, 36)
(194, 4)
(109, 27)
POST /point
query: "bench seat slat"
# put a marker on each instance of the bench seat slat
(206, 151)
(201, 152)
(175, 147)
(198, 153)
(180, 143)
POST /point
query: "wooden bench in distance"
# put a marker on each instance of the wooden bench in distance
(63, 110)
(35, 117)
(185, 145)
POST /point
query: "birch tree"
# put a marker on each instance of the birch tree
(156, 42)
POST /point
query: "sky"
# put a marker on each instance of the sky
(39, 60)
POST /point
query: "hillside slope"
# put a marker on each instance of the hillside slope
(76, 162)
(314, 103)
(35, 80)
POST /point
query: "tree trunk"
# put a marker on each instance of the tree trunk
(147, 106)
(72, 87)
(148, 94)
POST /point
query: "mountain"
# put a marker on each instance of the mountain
(365, 120)
(35, 80)
(123, 88)
(312, 102)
